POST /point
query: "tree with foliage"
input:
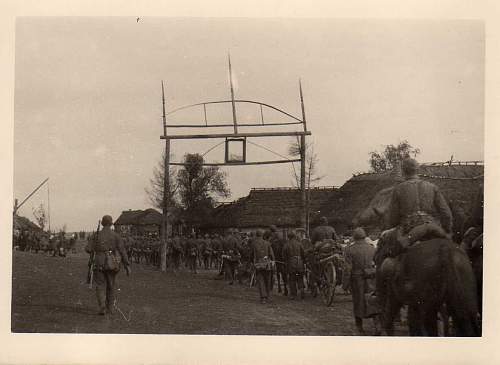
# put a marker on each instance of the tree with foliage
(391, 156)
(156, 189)
(198, 186)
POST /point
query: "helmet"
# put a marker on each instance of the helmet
(359, 233)
(106, 221)
(409, 166)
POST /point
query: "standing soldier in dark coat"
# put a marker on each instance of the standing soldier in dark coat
(360, 268)
(416, 202)
(230, 246)
(107, 243)
(277, 243)
(294, 258)
(323, 232)
(263, 260)
(176, 251)
(192, 253)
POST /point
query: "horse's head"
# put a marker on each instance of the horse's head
(386, 246)
(377, 212)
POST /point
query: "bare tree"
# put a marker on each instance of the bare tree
(155, 190)
(312, 176)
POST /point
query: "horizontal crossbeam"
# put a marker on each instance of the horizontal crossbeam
(239, 163)
(236, 135)
(228, 125)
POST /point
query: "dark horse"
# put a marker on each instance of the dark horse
(429, 276)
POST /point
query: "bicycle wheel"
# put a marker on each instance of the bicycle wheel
(329, 282)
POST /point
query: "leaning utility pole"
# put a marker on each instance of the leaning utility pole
(17, 206)
(166, 188)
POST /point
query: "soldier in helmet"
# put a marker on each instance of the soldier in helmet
(108, 244)
(263, 259)
(360, 271)
(416, 202)
(323, 232)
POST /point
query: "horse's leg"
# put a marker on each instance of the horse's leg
(430, 322)
(414, 321)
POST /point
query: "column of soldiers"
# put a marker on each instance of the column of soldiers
(44, 242)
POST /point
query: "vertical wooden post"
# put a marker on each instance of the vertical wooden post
(304, 215)
(303, 218)
(48, 203)
(166, 188)
(235, 123)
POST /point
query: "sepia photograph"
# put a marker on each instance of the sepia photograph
(250, 176)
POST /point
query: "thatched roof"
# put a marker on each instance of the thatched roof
(459, 183)
(267, 206)
(139, 217)
(23, 223)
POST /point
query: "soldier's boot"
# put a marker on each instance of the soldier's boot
(359, 327)
(101, 300)
(302, 295)
(377, 326)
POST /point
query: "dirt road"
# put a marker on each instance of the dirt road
(50, 295)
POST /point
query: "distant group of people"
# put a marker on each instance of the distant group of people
(56, 244)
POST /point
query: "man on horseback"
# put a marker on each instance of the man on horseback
(418, 208)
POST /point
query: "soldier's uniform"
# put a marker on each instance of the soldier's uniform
(263, 255)
(415, 202)
(359, 260)
(294, 258)
(230, 246)
(323, 232)
(192, 254)
(108, 242)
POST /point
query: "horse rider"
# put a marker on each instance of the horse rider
(360, 273)
(109, 252)
(418, 208)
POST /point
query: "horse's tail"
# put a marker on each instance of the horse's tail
(460, 291)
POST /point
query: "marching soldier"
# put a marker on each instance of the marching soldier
(263, 259)
(192, 253)
(109, 252)
(230, 246)
(294, 258)
(323, 232)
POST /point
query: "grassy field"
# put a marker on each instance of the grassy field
(50, 296)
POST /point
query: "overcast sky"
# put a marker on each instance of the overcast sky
(88, 98)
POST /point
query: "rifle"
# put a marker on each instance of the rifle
(91, 264)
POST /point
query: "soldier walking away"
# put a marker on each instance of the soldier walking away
(360, 269)
(230, 246)
(294, 258)
(110, 254)
(192, 253)
(263, 260)
(323, 232)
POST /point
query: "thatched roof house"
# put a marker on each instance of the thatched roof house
(266, 206)
(139, 221)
